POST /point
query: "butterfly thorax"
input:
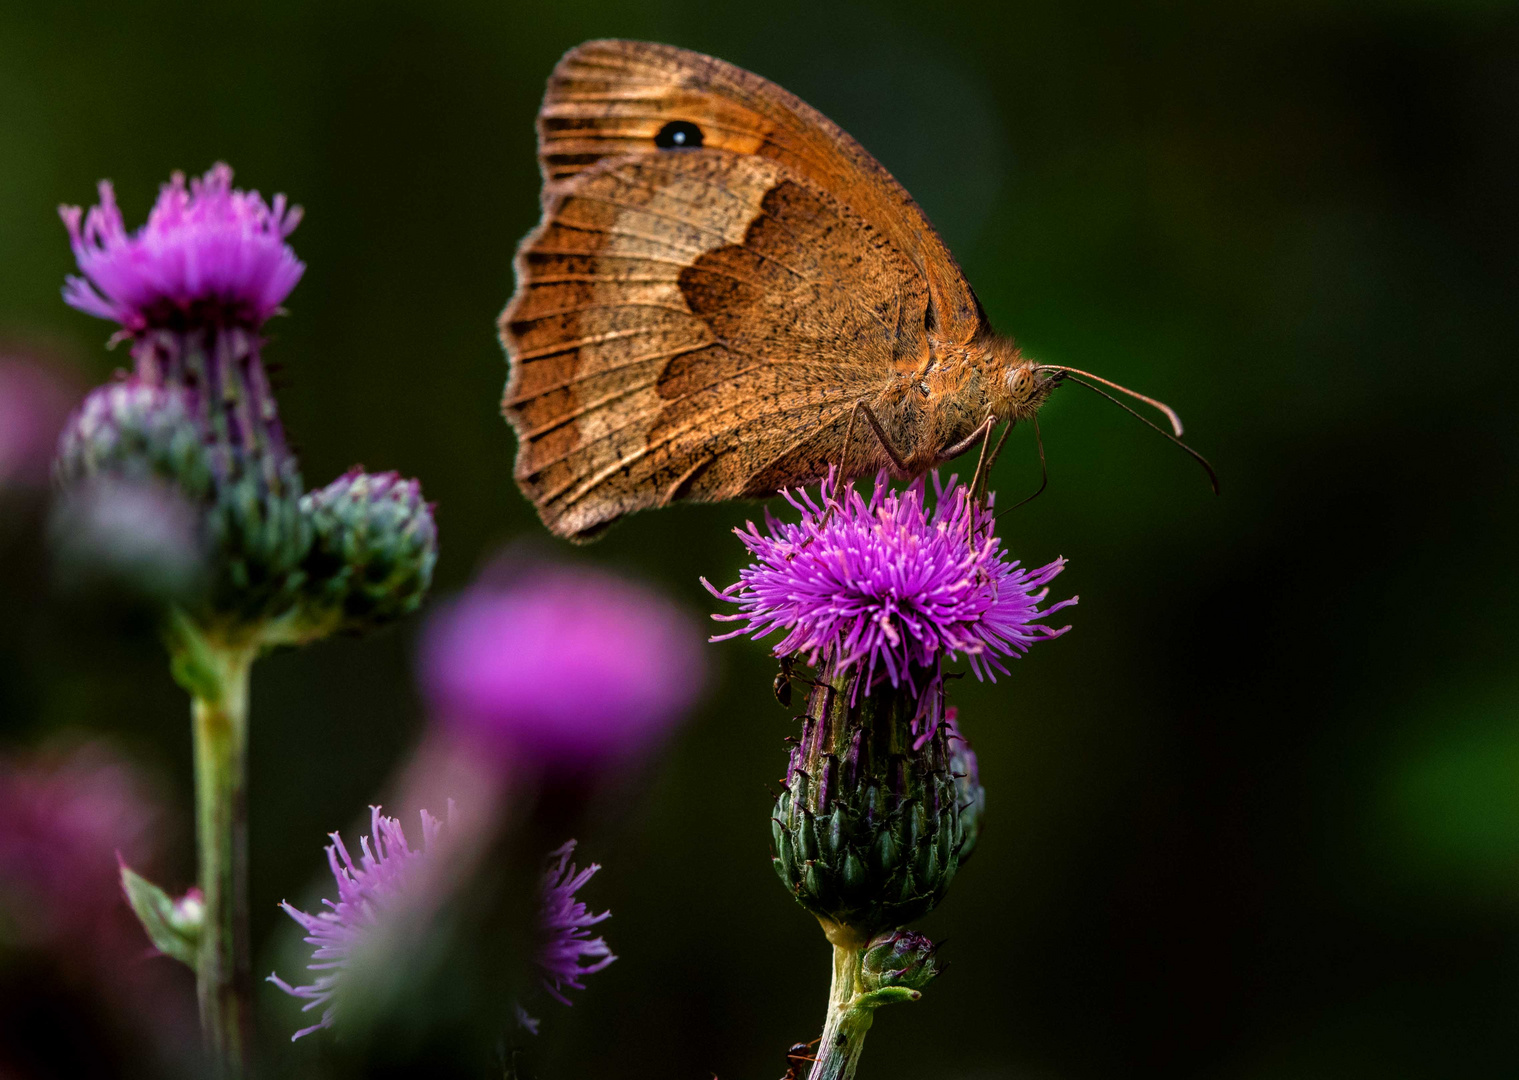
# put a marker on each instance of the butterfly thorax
(953, 393)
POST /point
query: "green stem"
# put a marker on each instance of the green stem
(223, 974)
(849, 1018)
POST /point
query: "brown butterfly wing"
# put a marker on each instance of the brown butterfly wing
(610, 98)
(696, 323)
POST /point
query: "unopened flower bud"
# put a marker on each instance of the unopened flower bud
(256, 527)
(903, 958)
(373, 548)
(133, 430)
(139, 435)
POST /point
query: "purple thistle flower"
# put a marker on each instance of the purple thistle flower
(565, 669)
(208, 253)
(567, 952)
(367, 891)
(192, 289)
(386, 876)
(889, 583)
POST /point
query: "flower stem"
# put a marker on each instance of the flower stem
(223, 976)
(849, 1018)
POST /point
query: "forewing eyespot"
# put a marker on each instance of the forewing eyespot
(678, 135)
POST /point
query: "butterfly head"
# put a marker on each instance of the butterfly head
(1021, 385)
(1027, 386)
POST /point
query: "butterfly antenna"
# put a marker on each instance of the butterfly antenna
(1044, 470)
(1170, 413)
(1176, 423)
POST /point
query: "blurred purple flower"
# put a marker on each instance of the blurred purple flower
(566, 669)
(389, 873)
(34, 402)
(367, 891)
(209, 253)
(567, 952)
(64, 819)
(889, 583)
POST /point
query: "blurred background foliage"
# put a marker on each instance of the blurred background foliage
(1257, 816)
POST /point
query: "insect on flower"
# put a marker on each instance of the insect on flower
(727, 296)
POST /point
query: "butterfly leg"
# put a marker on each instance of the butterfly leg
(1044, 472)
(984, 464)
(838, 486)
(977, 436)
(875, 425)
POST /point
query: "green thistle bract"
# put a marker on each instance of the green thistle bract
(868, 832)
(373, 549)
(903, 958)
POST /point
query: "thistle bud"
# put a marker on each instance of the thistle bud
(132, 430)
(868, 830)
(373, 548)
(136, 481)
(902, 958)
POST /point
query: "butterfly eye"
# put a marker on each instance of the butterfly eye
(678, 135)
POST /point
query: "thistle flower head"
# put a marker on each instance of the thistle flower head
(369, 888)
(389, 873)
(889, 584)
(208, 253)
(566, 950)
(570, 669)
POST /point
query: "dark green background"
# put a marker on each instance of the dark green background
(1257, 816)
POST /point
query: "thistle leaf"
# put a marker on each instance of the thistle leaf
(173, 926)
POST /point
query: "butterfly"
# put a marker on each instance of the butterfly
(727, 296)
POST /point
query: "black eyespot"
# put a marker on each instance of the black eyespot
(678, 135)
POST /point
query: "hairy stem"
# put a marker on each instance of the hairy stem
(223, 977)
(838, 1052)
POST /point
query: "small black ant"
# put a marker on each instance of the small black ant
(798, 1058)
(782, 684)
(785, 677)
